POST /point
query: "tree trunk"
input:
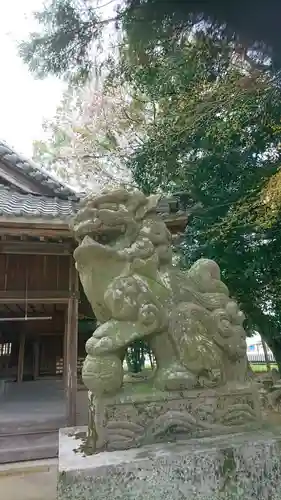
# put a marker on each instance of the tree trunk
(275, 346)
(264, 346)
(274, 343)
(269, 332)
(135, 357)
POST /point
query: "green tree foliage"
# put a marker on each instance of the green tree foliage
(214, 129)
(135, 357)
(251, 24)
(68, 29)
(63, 46)
(216, 136)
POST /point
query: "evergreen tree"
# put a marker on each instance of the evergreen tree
(71, 28)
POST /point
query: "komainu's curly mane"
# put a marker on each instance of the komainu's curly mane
(124, 259)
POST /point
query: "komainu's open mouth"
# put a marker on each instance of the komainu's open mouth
(107, 238)
(100, 226)
(113, 220)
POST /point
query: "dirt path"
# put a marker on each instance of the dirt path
(33, 481)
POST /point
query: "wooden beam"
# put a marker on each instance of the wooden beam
(35, 248)
(44, 334)
(60, 229)
(34, 223)
(36, 297)
(71, 346)
(38, 229)
(35, 231)
(21, 357)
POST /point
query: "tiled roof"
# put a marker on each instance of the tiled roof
(15, 204)
(64, 202)
(35, 172)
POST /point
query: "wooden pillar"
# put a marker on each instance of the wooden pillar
(36, 358)
(65, 349)
(266, 357)
(71, 343)
(21, 357)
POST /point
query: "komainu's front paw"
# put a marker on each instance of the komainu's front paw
(102, 374)
(174, 378)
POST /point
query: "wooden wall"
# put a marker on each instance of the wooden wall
(34, 272)
(32, 276)
(43, 346)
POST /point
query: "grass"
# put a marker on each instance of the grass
(258, 368)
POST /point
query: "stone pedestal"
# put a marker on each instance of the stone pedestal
(137, 416)
(234, 467)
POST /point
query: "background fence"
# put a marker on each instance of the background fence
(260, 358)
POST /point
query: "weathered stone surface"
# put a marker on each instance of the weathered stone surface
(194, 328)
(137, 416)
(235, 467)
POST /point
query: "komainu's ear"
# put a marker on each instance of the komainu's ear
(152, 201)
(150, 206)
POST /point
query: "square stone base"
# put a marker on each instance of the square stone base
(234, 467)
(136, 416)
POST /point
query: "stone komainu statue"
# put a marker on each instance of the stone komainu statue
(124, 259)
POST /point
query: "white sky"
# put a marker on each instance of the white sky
(24, 101)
